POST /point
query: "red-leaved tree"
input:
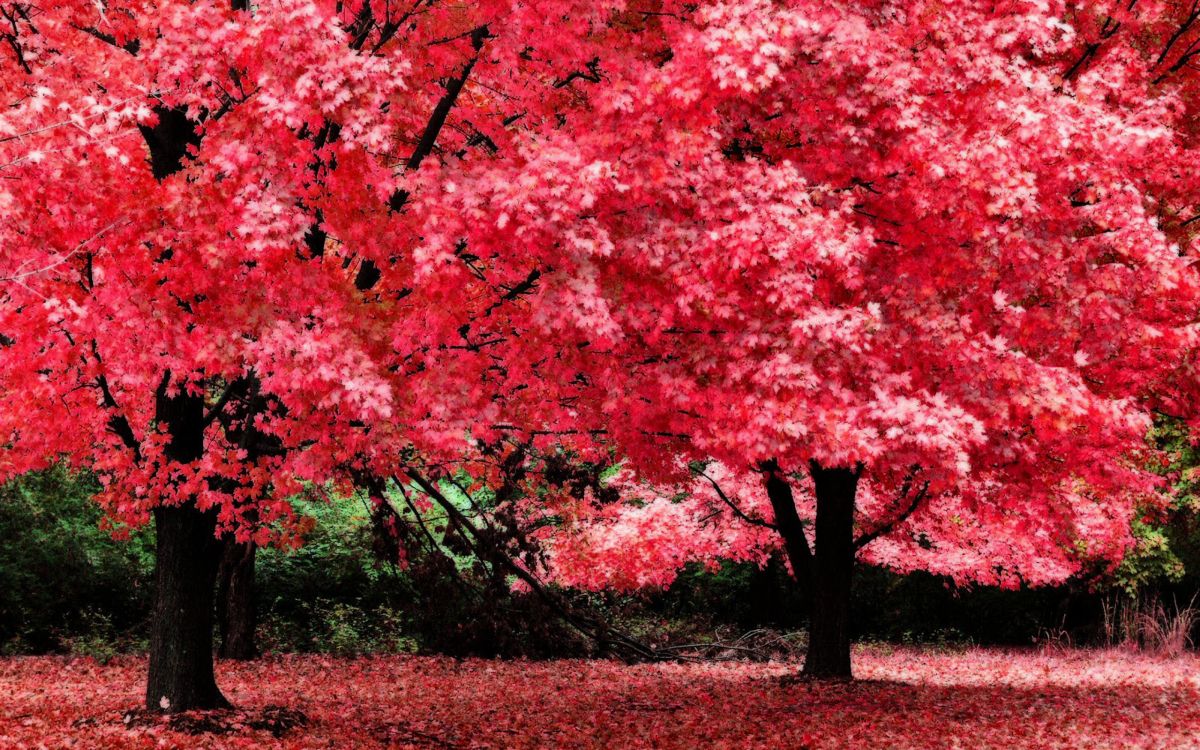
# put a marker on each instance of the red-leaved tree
(218, 283)
(914, 275)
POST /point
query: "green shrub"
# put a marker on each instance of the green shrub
(66, 582)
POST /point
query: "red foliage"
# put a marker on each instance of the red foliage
(877, 233)
(907, 699)
(902, 262)
(241, 271)
(951, 244)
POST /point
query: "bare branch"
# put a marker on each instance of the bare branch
(888, 526)
(587, 625)
(117, 423)
(737, 511)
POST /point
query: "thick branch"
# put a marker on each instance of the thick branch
(169, 140)
(438, 118)
(133, 46)
(361, 28)
(368, 273)
(591, 75)
(117, 423)
(13, 40)
(1188, 55)
(787, 521)
(1192, 16)
(523, 287)
(1109, 28)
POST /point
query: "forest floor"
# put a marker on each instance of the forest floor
(904, 698)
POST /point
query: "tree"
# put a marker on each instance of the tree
(216, 285)
(925, 273)
(857, 243)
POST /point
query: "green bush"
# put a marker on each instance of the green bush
(66, 582)
(66, 585)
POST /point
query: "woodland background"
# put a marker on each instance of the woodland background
(72, 588)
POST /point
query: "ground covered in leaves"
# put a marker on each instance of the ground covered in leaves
(905, 698)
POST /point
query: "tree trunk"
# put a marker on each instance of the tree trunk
(235, 601)
(833, 567)
(187, 553)
(181, 657)
(764, 595)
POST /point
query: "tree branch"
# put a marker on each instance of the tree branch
(117, 423)
(787, 519)
(235, 388)
(133, 46)
(523, 287)
(1192, 16)
(889, 526)
(1107, 30)
(595, 629)
(438, 118)
(737, 511)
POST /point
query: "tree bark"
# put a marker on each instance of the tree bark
(235, 601)
(789, 526)
(181, 658)
(236, 605)
(187, 553)
(833, 570)
(766, 603)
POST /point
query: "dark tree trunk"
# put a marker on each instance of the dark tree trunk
(235, 601)
(766, 606)
(833, 568)
(181, 642)
(187, 553)
(236, 606)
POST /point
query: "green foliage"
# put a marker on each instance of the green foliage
(1154, 560)
(68, 586)
(463, 603)
(341, 628)
(96, 637)
(334, 564)
(1167, 553)
(66, 582)
(332, 595)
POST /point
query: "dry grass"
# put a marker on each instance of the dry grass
(1151, 626)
